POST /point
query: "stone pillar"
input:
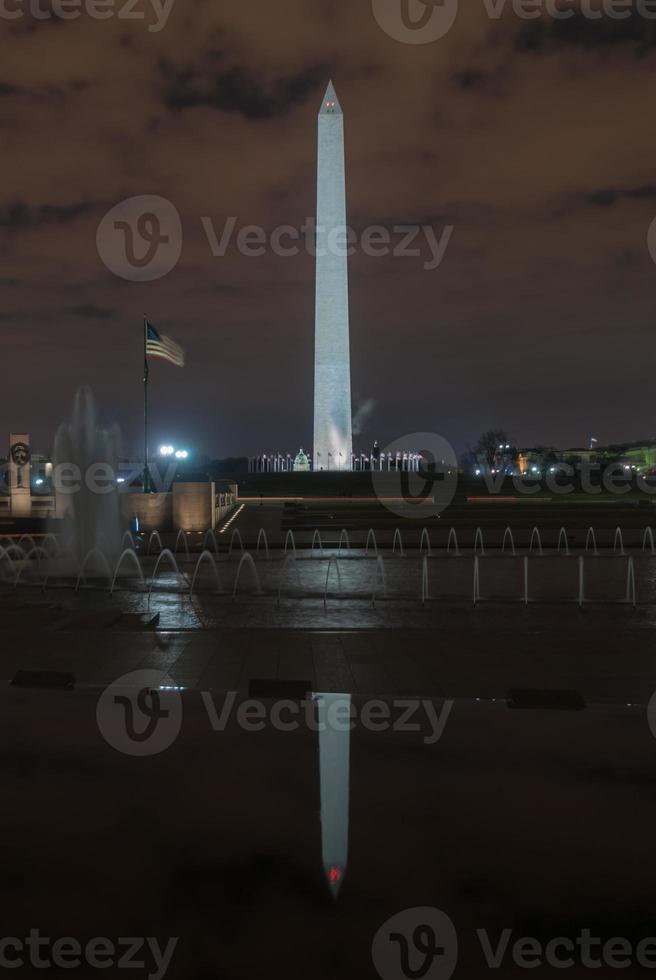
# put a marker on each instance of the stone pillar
(19, 474)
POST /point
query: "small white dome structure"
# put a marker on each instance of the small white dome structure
(301, 462)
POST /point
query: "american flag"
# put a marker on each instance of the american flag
(159, 345)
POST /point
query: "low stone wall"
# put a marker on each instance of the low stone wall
(154, 510)
(193, 506)
(189, 507)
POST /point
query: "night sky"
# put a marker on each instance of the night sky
(533, 139)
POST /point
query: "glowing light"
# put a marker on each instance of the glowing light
(228, 523)
(166, 450)
(335, 874)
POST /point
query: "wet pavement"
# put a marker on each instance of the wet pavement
(349, 638)
(499, 764)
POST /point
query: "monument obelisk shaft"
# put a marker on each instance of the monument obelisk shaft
(332, 367)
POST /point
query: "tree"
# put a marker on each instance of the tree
(488, 444)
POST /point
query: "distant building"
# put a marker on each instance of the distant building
(535, 461)
(301, 462)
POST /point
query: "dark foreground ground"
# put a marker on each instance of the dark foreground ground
(535, 821)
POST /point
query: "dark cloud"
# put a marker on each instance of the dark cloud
(22, 317)
(610, 195)
(603, 198)
(47, 92)
(547, 33)
(92, 312)
(469, 78)
(648, 190)
(21, 215)
(235, 90)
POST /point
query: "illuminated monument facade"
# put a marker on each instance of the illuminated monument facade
(332, 366)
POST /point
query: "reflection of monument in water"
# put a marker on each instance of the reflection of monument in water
(332, 370)
(334, 766)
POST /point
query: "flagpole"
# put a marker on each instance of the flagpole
(146, 474)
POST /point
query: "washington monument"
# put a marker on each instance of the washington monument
(332, 367)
